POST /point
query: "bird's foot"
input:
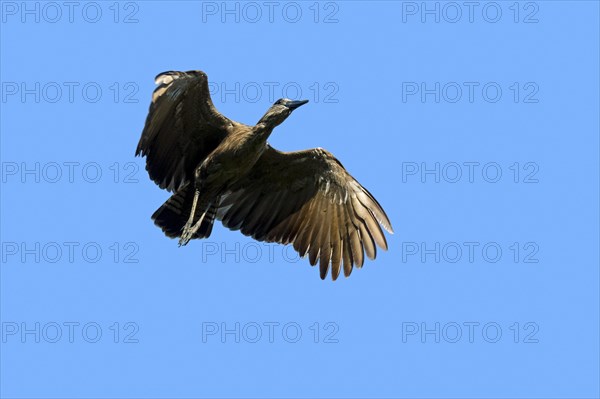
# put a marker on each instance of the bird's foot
(186, 235)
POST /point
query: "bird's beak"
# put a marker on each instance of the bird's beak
(295, 104)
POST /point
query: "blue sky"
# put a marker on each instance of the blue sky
(474, 125)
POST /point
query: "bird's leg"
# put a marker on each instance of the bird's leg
(187, 232)
(187, 235)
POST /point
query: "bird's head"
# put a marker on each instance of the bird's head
(279, 111)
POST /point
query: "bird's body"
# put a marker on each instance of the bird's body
(225, 170)
(236, 155)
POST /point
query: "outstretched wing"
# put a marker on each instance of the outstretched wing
(308, 199)
(181, 129)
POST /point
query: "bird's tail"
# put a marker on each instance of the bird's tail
(174, 213)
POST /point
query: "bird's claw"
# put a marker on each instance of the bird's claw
(186, 235)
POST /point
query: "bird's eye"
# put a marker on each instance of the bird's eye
(278, 102)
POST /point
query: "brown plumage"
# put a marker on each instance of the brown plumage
(225, 170)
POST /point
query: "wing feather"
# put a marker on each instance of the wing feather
(367, 241)
(315, 235)
(181, 129)
(238, 213)
(370, 223)
(301, 242)
(325, 239)
(309, 200)
(336, 244)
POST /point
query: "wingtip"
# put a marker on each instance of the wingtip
(166, 77)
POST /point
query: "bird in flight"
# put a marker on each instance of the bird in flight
(219, 169)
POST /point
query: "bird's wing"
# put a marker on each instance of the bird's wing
(181, 129)
(307, 198)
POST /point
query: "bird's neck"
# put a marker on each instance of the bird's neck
(262, 131)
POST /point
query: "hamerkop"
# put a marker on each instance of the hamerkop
(225, 170)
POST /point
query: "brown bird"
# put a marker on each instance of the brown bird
(225, 170)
